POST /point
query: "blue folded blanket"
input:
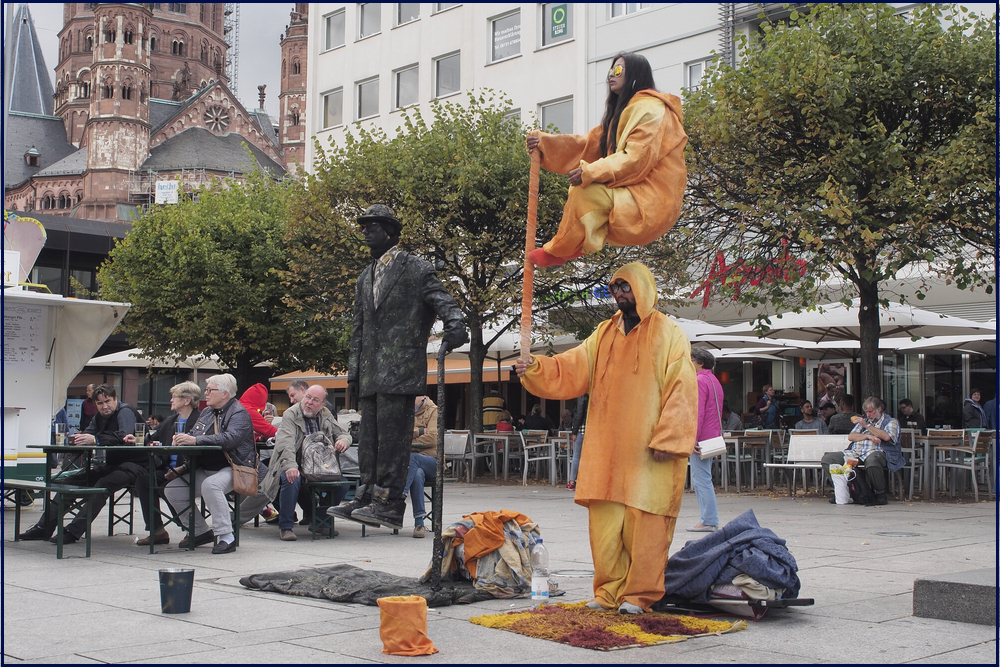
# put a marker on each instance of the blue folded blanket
(740, 547)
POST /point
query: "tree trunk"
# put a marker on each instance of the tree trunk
(242, 371)
(868, 319)
(477, 355)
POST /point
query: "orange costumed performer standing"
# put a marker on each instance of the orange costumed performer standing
(627, 176)
(641, 427)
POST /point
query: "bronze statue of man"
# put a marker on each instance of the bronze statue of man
(397, 299)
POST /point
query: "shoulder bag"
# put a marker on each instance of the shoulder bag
(717, 445)
(244, 477)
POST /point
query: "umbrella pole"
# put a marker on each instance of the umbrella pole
(438, 504)
(528, 285)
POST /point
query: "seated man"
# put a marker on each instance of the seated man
(112, 426)
(730, 420)
(423, 458)
(826, 412)
(875, 443)
(226, 423)
(908, 415)
(843, 422)
(284, 480)
(809, 421)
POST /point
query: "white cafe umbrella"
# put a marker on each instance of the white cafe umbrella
(838, 322)
(136, 358)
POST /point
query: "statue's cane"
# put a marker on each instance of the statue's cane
(438, 504)
(528, 285)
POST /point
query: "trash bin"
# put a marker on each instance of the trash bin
(176, 585)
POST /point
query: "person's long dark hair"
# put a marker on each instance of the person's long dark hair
(638, 76)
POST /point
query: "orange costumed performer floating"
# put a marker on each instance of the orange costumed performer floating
(641, 427)
(627, 176)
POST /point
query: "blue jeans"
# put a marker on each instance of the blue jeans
(577, 449)
(701, 480)
(422, 468)
(288, 495)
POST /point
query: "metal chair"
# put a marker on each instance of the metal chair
(538, 448)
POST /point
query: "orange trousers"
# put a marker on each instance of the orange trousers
(588, 220)
(630, 550)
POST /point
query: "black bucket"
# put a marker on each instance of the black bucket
(176, 585)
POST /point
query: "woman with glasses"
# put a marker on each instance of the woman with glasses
(627, 175)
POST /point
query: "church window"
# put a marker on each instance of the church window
(109, 36)
(204, 53)
(107, 92)
(88, 43)
(152, 44)
(294, 117)
(296, 67)
(179, 7)
(126, 92)
(84, 89)
(128, 37)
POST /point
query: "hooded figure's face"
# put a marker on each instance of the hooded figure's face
(643, 288)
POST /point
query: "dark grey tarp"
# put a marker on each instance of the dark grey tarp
(346, 583)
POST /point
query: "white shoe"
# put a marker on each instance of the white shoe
(629, 608)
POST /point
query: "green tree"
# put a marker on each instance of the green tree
(849, 142)
(460, 187)
(202, 276)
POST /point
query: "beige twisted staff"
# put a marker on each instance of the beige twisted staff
(529, 269)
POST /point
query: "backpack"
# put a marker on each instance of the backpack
(861, 491)
(319, 459)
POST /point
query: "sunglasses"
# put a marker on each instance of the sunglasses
(616, 71)
(620, 287)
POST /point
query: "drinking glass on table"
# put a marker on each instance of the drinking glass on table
(60, 433)
(140, 434)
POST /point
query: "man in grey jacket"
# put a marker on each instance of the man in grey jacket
(283, 478)
(397, 299)
(226, 423)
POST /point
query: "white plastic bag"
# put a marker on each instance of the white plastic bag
(840, 479)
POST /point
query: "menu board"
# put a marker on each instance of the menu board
(24, 337)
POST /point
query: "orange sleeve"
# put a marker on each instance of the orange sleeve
(561, 153)
(679, 397)
(563, 376)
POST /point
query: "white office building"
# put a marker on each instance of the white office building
(369, 60)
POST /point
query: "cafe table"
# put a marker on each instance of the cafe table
(192, 452)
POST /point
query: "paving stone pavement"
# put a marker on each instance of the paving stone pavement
(858, 564)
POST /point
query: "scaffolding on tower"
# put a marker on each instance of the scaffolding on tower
(231, 35)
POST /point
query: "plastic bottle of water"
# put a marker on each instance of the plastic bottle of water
(539, 573)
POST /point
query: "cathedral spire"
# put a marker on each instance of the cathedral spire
(27, 84)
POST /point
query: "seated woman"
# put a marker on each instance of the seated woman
(506, 422)
(627, 176)
(184, 398)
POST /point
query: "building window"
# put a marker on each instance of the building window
(695, 72)
(506, 36)
(333, 109)
(84, 89)
(407, 12)
(31, 157)
(367, 98)
(335, 30)
(441, 6)
(152, 45)
(128, 37)
(108, 92)
(126, 92)
(294, 117)
(557, 22)
(626, 8)
(179, 7)
(369, 19)
(89, 43)
(447, 75)
(177, 48)
(296, 67)
(558, 114)
(406, 87)
(110, 36)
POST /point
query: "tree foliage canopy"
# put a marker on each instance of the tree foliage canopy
(460, 187)
(202, 276)
(850, 142)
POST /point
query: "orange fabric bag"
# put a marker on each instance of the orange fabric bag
(404, 626)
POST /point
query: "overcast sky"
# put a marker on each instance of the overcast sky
(261, 26)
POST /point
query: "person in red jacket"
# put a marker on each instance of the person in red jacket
(254, 399)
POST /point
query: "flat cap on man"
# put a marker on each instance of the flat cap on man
(383, 214)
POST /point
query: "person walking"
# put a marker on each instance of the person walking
(709, 426)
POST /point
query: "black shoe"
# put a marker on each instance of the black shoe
(833, 501)
(68, 538)
(306, 521)
(36, 532)
(199, 540)
(381, 513)
(880, 499)
(224, 547)
(346, 509)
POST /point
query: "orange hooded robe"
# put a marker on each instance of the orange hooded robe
(643, 396)
(631, 197)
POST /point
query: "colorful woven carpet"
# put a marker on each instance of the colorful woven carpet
(604, 630)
